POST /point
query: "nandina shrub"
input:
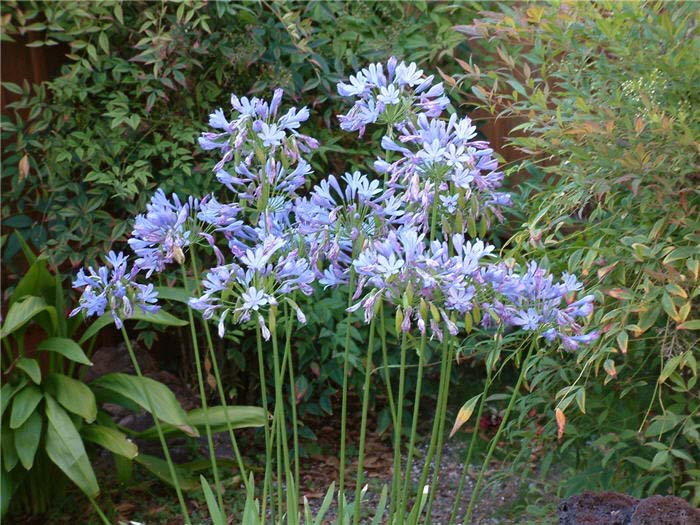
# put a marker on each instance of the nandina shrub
(610, 125)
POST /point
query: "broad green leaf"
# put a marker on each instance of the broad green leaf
(144, 391)
(178, 294)
(464, 414)
(110, 438)
(7, 393)
(160, 317)
(9, 453)
(662, 424)
(31, 367)
(217, 517)
(24, 404)
(27, 439)
(238, 417)
(74, 395)
(21, 312)
(690, 325)
(659, 459)
(35, 282)
(66, 347)
(159, 467)
(65, 448)
(7, 489)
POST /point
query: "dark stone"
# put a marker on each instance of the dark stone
(665, 510)
(610, 508)
(597, 508)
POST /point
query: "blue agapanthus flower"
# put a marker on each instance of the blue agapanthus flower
(161, 235)
(390, 95)
(112, 287)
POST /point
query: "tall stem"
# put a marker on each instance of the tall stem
(159, 430)
(396, 479)
(385, 365)
(414, 428)
(363, 426)
(282, 445)
(292, 396)
(203, 396)
(344, 409)
(219, 382)
(444, 382)
(501, 427)
(439, 414)
(267, 484)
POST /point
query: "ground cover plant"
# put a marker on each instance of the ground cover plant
(609, 127)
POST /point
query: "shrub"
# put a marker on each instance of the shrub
(609, 117)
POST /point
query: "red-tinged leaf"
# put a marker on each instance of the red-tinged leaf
(464, 414)
(622, 339)
(561, 422)
(609, 366)
(620, 293)
(447, 78)
(602, 272)
(689, 325)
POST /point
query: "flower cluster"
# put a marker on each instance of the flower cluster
(390, 97)
(113, 287)
(439, 158)
(264, 151)
(421, 279)
(256, 280)
(161, 235)
(533, 301)
(379, 233)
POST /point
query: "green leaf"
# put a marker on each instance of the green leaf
(35, 282)
(217, 517)
(30, 367)
(670, 367)
(140, 390)
(27, 439)
(160, 317)
(690, 325)
(8, 391)
(9, 453)
(24, 404)
(659, 459)
(238, 417)
(110, 438)
(178, 294)
(7, 489)
(66, 347)
(159, 467)
(65, 448)
(74, 395)
(662, 424)
(21, 312)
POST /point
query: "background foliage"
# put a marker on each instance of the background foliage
(86, 150)
(610, 123)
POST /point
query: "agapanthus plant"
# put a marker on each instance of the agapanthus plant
(403, 238)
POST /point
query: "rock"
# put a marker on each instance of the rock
(610, 508)
(665, 510)
(597, 508)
